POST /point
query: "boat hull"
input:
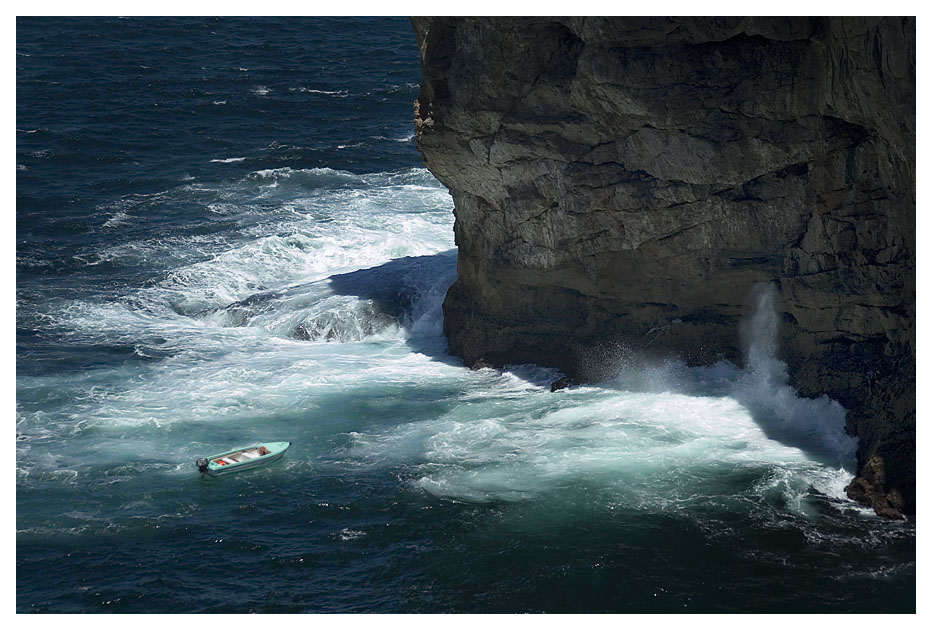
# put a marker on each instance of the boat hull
(276, 452)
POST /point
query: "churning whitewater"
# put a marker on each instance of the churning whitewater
(287, 286)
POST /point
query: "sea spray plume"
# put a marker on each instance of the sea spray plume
(759, 335)
(605, 361)
(816, 425)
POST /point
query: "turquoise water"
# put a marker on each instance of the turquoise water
(225, 234)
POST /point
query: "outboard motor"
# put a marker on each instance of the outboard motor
(202, 465)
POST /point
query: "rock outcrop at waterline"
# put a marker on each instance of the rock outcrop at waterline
(621, 183)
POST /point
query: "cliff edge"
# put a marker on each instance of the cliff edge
(621, 183)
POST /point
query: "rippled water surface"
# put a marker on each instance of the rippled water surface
(225, 235)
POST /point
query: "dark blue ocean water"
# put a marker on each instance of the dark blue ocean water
(225, 234)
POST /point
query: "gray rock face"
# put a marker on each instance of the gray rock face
(621, 183)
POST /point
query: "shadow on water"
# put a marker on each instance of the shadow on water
(814, 426)
(411, 290)
(406, 292)
(762, 387)
(401, 286)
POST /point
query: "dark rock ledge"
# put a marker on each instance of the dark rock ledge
(621, 183)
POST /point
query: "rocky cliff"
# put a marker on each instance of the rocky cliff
(621, 183)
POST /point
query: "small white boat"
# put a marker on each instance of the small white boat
(242, 458)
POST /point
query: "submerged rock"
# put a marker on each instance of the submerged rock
(480, 364)
(563, 382)
(888, 505)
(615, 176)
(352, 324)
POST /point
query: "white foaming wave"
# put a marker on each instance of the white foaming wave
(315, 316)
(42, 466)
(229, 160)
(419, 176)
(349, 535)
(816, 425)
(308, 239)
(277, 261)
(225, 208)
(403, 87)
(188, 389)
(249, 376)
(117, 219)
(310, 178)
(122, 207)
(350, 320)
(134, 324)
(335, 93)
(377, 220)
(647, 450)
(413, 176)
(326, 192)
(794, 488)
(168, 250)
(260, 90)
(333, 194)
(408, 295)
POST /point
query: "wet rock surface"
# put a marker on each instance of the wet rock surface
(621, 183)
